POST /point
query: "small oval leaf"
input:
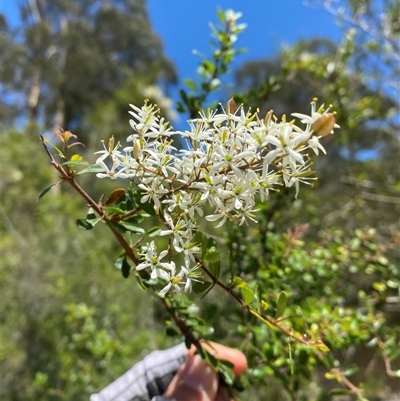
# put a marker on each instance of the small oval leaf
(281, 304)
(247, 294)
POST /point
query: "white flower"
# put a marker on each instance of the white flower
(108, 172)
(222, 215)
(285, 140)
(112, 151)
(314, 144)
(294, 174)
(175, 281)
(153, 260)
(179, 230)
(154, 191)
(234, 157)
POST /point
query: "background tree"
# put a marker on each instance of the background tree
(66, 57)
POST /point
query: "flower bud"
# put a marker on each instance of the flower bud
(231, 106)
(324, 125)
(136, 149)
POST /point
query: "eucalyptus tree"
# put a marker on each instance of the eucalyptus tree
(64, 57)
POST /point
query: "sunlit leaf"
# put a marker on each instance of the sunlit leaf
(238, 283)
(321, 346)
(281, 304)
(248, 295)
(264, 306)
(191, 84)
(257, 315)
(114, 210)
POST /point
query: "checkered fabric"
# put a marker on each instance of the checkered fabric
(148, 379)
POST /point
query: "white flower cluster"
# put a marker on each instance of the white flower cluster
(234, 156)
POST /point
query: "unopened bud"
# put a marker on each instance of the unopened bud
(267, 118)
(324, 125)
(231, 106)
(111, 143)
(136, 149)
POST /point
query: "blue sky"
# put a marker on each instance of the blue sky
(183, 26)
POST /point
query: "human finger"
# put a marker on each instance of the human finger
(221, 352)
(195, 381)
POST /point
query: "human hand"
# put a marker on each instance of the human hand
(198, 381)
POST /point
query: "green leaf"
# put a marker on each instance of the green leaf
(83, 223)
(116, 226)
(171, 332)
(238, 283)
(215, 268)
(132, 228)
(199, 238)
(123, 265)
(264, 306)
(191, 84)
(75, 163)
(90, 221)
(209, 251)
(247, 294)
(113, 210)
(94, 168)
(321, 346)
(281, 304)
(153, 231)
(44, 192)
(188, 343)
(258, 316)
(199, 288)
(125, 268)
(221, 15)
(350, 370)
(225, 370)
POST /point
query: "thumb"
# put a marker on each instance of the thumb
(195, 381)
